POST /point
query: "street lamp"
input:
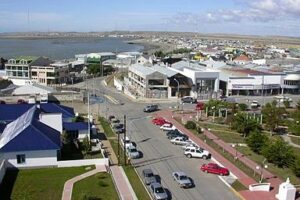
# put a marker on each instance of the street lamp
(177, 91)
(261, 167)
(236, 153)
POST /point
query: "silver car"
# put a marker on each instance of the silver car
(182, 179)
(158, 192)
(149, 177)
(132, 152)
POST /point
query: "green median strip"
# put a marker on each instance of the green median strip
(130, 172)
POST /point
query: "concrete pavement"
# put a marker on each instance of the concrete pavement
(242, 177)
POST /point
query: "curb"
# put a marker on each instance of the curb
(128, 183)
(143, 183)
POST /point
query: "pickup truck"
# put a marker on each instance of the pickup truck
(196, 152)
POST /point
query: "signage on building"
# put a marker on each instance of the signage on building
(244, 87)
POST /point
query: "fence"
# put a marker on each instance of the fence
(85, 162)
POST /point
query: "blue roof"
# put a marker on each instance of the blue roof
(67, 112)
(28, 134)
(74, 126)
(10, 112)
(2, 127)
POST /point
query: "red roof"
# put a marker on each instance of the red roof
(242, 58)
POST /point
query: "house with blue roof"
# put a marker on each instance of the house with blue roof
(78, 130)
(28, 142)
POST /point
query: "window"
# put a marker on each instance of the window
(21, 159)
(33, 73)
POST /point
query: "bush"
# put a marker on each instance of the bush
(256, 141)
(243, 107)
(190, 125)
(296, 167)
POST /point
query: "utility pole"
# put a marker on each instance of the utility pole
(88, 97)
(118, 149)
(125, 162)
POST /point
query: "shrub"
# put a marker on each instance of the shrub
(256, 141)
(190, 125)
(296, 167)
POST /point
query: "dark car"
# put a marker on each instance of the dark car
(188, 99)
(2, 102)
(151, 108)
(175, 133)
(111, 117)
(21, 101)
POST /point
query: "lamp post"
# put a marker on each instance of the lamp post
(177, 92)
(236, 153)
(261, 167)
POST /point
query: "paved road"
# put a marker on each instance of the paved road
(158, 153)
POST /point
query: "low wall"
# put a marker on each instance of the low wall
(118, 84)
(260, 187)
(85, 162)
(2, 170)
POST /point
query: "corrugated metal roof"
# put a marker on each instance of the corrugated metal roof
(74, 126)
(28, 134)
(141, 70)
(67, 112)
(164, 70)
(10, 112)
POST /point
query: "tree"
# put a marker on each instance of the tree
(279, 153)
(272, 115)
(256, 141)
(243, 107)
(86, 145)
(159, 54)
(244, 125)
(190, 125)
(78, 119)
(94, 69)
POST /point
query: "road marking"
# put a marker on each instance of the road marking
(113, 100)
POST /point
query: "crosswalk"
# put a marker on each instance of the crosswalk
(112, 99)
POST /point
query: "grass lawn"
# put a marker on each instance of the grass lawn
(224, 133)
(280, 172)
(238, 186)
(98, 186)
(37, 184)
(106, 127)
(137, 185)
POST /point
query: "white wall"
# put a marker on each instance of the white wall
(85, 162)
(54, 120)
(256, 81)
(33, 158)
(118, 84)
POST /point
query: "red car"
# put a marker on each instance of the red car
(214, 169)
(159, 121)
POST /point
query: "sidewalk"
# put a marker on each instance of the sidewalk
(242, 177)
(68, 187)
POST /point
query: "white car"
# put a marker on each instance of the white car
(195, 152)
(180, 141)
(126, 141)
(167, 127)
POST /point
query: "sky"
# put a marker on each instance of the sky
(246, 17)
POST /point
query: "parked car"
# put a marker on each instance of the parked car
(111, 117)
(195, 152)
(21, 101)
(281, 99)
(118, 128)
(159, 121)
(167, 127)
(158, 192)
(180, 141)
(182, 179)
(188, 99)
(115, 121)
(149, 177)
(254, 104)
(214, 169)
(176, 133)
(151, 108)
(2, 102)
(132, 152)
(126, 142)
